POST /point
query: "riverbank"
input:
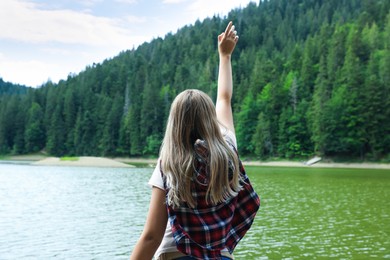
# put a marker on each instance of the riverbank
(145, 162)
(84, 161)
(363, 165)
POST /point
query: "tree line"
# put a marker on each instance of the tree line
(311, 77)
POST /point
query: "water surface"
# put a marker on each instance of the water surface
(98, 213)
(69, 212)
(311, 213)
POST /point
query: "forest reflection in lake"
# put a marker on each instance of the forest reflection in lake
(315, 213)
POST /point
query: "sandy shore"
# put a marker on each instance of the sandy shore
(127, 162)
(364, 165)
(84, 161)
(321, 165)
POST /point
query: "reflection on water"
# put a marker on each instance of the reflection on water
(99, 213)
(319, 213)
(70, 213)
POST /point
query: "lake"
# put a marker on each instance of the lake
(98, 213)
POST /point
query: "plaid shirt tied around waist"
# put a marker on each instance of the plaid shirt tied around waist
(202, 232)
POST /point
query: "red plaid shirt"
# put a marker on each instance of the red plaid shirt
(202, 232)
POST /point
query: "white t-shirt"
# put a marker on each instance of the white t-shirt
(168, 243)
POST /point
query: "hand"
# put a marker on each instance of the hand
(227, 40)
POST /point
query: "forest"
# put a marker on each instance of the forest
(311, 77)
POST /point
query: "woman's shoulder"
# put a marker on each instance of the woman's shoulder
(229, 136)
(156, 180)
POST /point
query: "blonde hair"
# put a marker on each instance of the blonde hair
(192, 116)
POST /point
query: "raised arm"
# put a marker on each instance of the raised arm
(226, 43)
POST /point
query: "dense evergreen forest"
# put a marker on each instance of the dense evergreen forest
(7, 88)
(311, 77)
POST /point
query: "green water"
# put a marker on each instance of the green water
(99, 213)
(311, 213)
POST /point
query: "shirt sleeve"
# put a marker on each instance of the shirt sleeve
(229, 136)
(156, 178)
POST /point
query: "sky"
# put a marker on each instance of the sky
(42, 40)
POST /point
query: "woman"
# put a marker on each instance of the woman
(202, 202)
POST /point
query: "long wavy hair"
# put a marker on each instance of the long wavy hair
(192, 116)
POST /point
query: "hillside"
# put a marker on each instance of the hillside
(7, 88)
(310, 77)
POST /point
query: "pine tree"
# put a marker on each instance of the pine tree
(317, 110)
(262, 139)
(374, 114)
(352, 79)
(34, 134)
(56, 133)
(246, 119)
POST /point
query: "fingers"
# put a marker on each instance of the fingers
(228, 27)
(229, 35)
(230, 32)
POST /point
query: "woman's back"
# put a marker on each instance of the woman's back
(193, 119)
(204, 229)
(202, 202)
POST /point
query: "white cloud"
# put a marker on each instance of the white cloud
(41, 40)
(58, 42)
(58, 64)
(173, 1)
(126, 1)
(30, 72)
(89, 3)
(24, 21)
(57, 51)
(135, 19)
(201, 9)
